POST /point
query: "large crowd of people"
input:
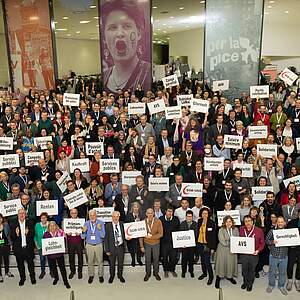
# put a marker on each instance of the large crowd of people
(156, 147)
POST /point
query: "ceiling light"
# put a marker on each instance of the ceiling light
(168, 38)
(269, 6)
(202, 2)
(65, 18)
(68, 34)
(286, 11)
(97, 25)
(154, 33)
(171, 17)
(93, 6)
(164, 31)
(96, 18)
(158, 29)
(61, 29)
(154, 7)
(170, 26)
(77, 31)
(165, 24)
(272, 1)
(84, 22)
(181, 8)
(55, 22)
(187, 26)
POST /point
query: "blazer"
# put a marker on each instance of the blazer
(289, 213)
(213, 132)
(160, 145)
(109, 239)
(120, 207)
(185, 227)
(210, 234)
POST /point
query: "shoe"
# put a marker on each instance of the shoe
(55, 281)
(91, 279)
(196, 259)
(256, 274)
(33, 281)
(21, 282)
(202, 277)
(133, 263)
(210, 281)
(166, 274)
(289, 285)
(174, 274)
(146, 278)
(79, 275)
(249, 288)
(269, 289)
(140, 262)
(283, 291)
(10, 275)
(192, 275)
(157, 277)
(217, 283)
(121, 278)
(72, 274)
(297, 285)
(182, 275)
(243, 286)
(232, 280)
(101, 279)
(1, 278)
(42, 275)
(67, 285)
(111, 279)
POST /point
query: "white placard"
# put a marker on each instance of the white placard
(10, 207)
(53, 245)
(138, 108)
(109, 165)
(233, 141)
(73, 226)
(71, 99)
(242, 245)
(259, 192)
(156, 106)
(62, 181)
(192, 189)
(247, 169)
(9, 161)
(213, 163)
(170, 81)
(42, 141)
(104, 213)
(83, 164)
(128, 177)
(92, 147)
(173, 112)
(258, 132)
(183, 239)
(260, 91)
(158, 184)
(288, 76)
(47, 206)
(200, 105)
(75, 199)
(286, 237)
(267, 150)
(185, 100)
(135, 230)
(6, 143)
(32, 158)
(295, 179)
(298, 143)
(235, 214)
(220, 85)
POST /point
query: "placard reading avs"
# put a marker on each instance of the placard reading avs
(109, 165)
(213, 163)
(53, 245)
(138, 108)
(173, 112)
(286, 237)
(83, 164)
(288, 76)
(10, 207)
(267, 150)
(199, 105)
(32, 158)
(170, 81)
(258, 132)
(6, 143)
(235, 214)
(62, 181)
(247, 169)
(233, 141)
(128, 177)
(42, 141)
(242, 245)
(73, 226)
(71, 99)
(47, 206)
(158, 184)
(135, 230)
(185, 100)
(192, 189)
(295, 179)
(220, 85)
(9, 161)
(76, 198)
(183, 239)
(260, 91)
(156, 106)
(104, 213)
(92, 147)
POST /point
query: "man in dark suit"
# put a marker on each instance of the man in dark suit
(122, 202)
(41, 172)
(217, 129)
(22, 237)
(114, 246)
(228, 194)
(163, 142)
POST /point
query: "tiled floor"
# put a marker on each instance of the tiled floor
(135, 288)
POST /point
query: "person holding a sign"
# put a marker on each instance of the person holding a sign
(249, 261)
(277, 260)
(56, 259)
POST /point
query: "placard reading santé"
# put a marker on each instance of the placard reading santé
(138, 108)
(173, 112)
(10, 207)
(109, 165)
(213, 163)
(92, 147)
(156, 106)
(135, 230)
(158, 184)
(192, 189)
(32, 158)
(75, 199)
(183, 239)
(71, 99)
(260, 91)
(258, 132)
(200, 105)
(184, 100)
(82, 164)
(128, 177)
(286, 237)
(267, 150)
(54, 245)
(6, 143)
(233, 141)
(170, 81)
(48, 206)
(235, 214)
(242, 245)
(73, 226)
(9, 161)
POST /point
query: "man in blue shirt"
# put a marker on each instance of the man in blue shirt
(94, 232)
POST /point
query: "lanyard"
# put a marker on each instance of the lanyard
(250, 233)
(262, 118)
(297, 113)
(179, 192)
(189, 156)
(149, 228)
(227, 198)
(139, 191)
(219, 128)
(278, 119)
(225, 174)
(93, 227)
(198, 176)
(229, 232)
(290, 214)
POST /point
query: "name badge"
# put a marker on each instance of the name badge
(270, 111)
(88, 136)
(143, 135)
(223, 181)
(113, 197)
(44, 178)
(296, 120)
(232, 129)
(139, 198)
(151, 175)
(93, 237)
(179, 198)
(15, 143)
(279, 177)
(189, 164)
(123, 151)
(240, 188)
(171, 174)
(114, 125)
(209, 229)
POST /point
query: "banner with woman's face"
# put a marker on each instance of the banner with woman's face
(126, 47)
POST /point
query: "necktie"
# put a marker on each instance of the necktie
(116, 236)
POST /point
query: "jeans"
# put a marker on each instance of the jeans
(42, 260)
(281, 264)
(204, 253)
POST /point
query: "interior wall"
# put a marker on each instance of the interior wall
(4, 74)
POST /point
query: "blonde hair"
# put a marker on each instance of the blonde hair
(52, 223)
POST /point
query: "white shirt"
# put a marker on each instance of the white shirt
(180, 213)
(23, 235)
(195, 211)
(117, 234)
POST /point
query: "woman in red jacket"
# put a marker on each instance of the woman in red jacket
(291, 191)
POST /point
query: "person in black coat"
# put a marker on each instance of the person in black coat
(206, 243)
(188, 253)
(121, 202)
(22, 237)
(164, 141)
